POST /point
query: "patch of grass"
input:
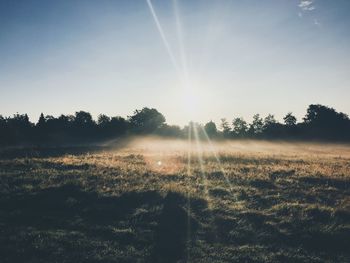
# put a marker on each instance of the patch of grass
(136, 204)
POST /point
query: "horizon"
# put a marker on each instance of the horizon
(240, 58)
(217, 123)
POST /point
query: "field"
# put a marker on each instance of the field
(157, 200)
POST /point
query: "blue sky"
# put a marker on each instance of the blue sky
(241, 57)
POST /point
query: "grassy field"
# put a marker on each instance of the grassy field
(153, 200)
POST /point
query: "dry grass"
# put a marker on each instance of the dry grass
(263, 202)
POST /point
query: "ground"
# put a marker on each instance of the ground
(157, 200)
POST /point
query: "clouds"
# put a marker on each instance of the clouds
(307, 5)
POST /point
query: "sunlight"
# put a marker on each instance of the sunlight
(191, 104)
(201, 165)
(190, 97)
(217, 159)
(189, 152)
(162, 35)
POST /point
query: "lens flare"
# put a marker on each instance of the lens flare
(191, 104)
(162, 35)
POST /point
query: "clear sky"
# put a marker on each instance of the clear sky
(237, 57)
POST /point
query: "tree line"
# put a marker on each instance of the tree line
(319, 123)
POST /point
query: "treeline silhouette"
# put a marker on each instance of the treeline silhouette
(320, 123)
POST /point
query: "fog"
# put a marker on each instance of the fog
(156, 145)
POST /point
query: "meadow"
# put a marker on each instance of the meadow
(160, 200)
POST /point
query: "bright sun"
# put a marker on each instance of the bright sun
(191, 102)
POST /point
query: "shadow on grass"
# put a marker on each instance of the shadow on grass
(44, 152)
(71, 225)
(326, 182)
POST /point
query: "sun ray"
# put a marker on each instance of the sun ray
(189, 152)
(179, 32)
(163, 37)
(216, 156)
(201, 164)
(182, 67)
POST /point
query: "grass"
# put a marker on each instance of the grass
(263, 202)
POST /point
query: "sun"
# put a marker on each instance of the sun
(191, 102)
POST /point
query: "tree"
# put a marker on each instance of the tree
(326, 123)
(111, 126)
(146, 120)
(118, 125)
(83, 119)
(83, 126)
(210, 129)
(3, 131)
(66, 120)
(269, 121)
(290, 120)
(103, 120)
(257, 126)
(226, 129)
(18, 128)
(272, 128)
(240, 127)
(41, 128)
(319, 114)
(42, 121)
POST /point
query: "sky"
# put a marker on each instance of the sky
(205, 60)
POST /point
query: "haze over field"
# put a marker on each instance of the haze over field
(241, 57)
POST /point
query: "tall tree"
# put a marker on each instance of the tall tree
(146, 120)
(226, 129)
(103, 120)
(257, 126)
(83, 119)
(42, 121)
(240, 127)
(269, 120)
(290, 120)
(210, 129)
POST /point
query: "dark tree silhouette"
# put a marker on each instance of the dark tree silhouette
(111, 127)
(41, 121)
(19, 128)
(146, 120)
(320, 123)
(318, 114)
(83, 124)
(118, 126)
(240, 127)
(257, 126)
(272, 129)
(324, 122)
(103, 121)
(290, 120)
(210, 129)
(269, 121)
(226, 129)
(83, 119)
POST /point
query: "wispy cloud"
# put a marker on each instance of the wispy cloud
(316, 22)
(307, 5)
